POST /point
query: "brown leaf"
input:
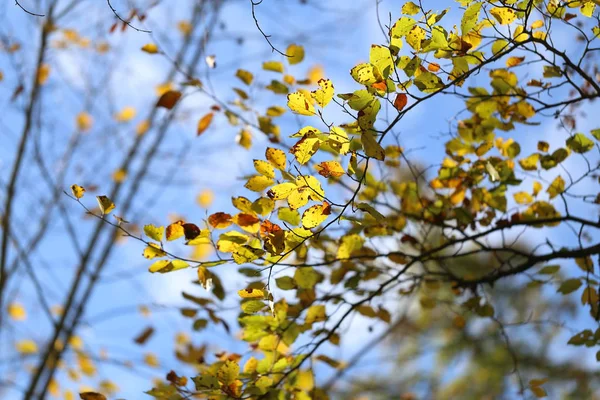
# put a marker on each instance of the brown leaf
(401, 101)
(144, 336)
(204, 123)
(191, 231)
(169, 99)
(219, 220)
(91, 396)
(246, 219)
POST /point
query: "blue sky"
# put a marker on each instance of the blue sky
(336, 35)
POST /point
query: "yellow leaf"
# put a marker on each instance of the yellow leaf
(164, 88)
(244, 139)
(184, 27)
(330, 168)
(245, 76)
(17, 312)
(537, 24)
(78, 191)
(125, 115)
(298, 198)
(258, 183)
(205, 198)
(274, 66)
(556, 187)
(153, 250)
(26, 346)
(204, 123)
(514, 61)
(264, 168)
(315, 314)
(175, 231)
(230, 241)
(538, 391)
(276, 157)
(106, 205)
(151, 360)
(164, 266)
(150, 48)
(295, 53)
(537, 187)
(154, 232)
(53, 388)
(304, 149)
(503, 15)
(324, 94)
(251, 294)
(338, 140)
(299, 104)
(530, 163)
(84, 121)
(410, 8)
(43, 74)
(458, 196)
(119, 175)
(142, 127)
(315, 215)
(523, 198)
(365, 74)
(281, 191)
(315, 74)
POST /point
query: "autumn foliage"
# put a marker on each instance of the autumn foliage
(477, 250)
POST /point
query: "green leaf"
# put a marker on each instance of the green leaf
(580, 143)
(569, 286)
(206, 382)
(470, 17)
(285, 283)
(253, 306)
(372, 148)
(306, 277)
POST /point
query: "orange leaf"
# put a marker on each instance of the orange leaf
(219, 220)
(204, 123)
(267, 228)
(379, 85)
(400, 102)
(246, 219)
(169, 99)
(433, 67)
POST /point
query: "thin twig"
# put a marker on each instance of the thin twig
(27, 11)
(128, 23)
(273, 48)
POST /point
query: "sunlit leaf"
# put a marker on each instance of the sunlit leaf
(154, 232)
(299, 104)
(324, 94)
(204, 123)
(106, 205)
(150, 48)
(295, 53)
(77, 191)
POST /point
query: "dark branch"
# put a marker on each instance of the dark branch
(27, 11)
